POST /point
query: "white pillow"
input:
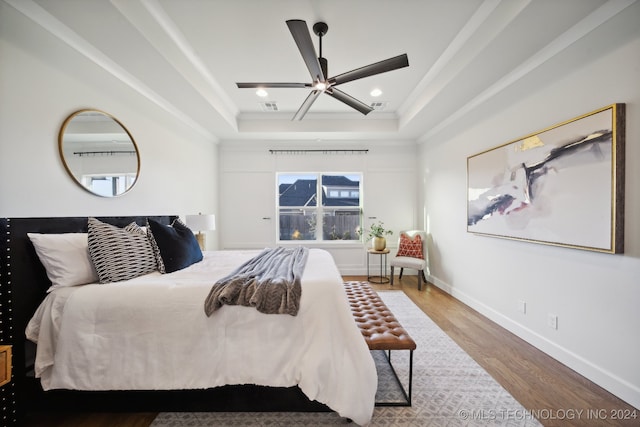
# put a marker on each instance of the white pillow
(65, 257)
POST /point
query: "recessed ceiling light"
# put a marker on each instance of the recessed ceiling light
(376, 92)
(261, 92)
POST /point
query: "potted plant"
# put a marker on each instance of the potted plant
(376, 233)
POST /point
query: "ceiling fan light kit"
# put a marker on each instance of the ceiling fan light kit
(318, 69)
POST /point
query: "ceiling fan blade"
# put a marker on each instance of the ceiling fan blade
(267, 85)
(390, 64)
(300, 33)
(306, 105)
(349, 100)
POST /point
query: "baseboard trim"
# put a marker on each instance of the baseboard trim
(605, 379)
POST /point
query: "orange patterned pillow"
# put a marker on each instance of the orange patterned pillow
(410, 247)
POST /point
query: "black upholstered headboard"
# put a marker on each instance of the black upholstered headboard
(23, 279)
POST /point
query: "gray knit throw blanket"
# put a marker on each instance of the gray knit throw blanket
(270, 282)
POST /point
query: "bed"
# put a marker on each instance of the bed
(146, 344)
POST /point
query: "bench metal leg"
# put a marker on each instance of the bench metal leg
(406, 393)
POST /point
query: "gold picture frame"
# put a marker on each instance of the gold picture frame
(562, 186)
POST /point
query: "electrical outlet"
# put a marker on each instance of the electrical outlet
(522, 306)
(552, 321)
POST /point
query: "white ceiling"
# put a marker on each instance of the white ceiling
(186, 56)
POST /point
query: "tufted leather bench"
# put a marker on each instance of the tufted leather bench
(379, 327)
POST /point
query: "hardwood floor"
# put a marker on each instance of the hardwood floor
(550, 391)
(553, 393)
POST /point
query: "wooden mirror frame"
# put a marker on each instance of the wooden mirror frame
(121, 180)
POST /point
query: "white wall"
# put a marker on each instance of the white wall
(594, 295)
(248, 189)
(178, 167)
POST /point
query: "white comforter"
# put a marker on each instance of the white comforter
(151, 333)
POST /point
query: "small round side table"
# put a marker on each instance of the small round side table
(382, 278)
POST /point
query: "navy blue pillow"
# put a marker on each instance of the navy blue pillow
(176, 243)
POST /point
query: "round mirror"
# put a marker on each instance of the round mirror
(99, 153)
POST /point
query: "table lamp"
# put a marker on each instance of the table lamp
(201, 223)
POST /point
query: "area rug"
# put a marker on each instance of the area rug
(449, 388)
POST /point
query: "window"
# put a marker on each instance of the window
(305, 198)
(108, 185)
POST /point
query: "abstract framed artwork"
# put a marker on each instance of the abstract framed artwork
(562, 186)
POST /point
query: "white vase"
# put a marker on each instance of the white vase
(378, 243)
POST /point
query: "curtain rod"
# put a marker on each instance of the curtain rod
(357, 151)
(103, 153)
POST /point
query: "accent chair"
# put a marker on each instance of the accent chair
(412, 253)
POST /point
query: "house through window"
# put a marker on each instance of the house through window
(319, 206)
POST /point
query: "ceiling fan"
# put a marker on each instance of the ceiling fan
(317, 65)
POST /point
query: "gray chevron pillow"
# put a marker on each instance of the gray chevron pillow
(119, 253)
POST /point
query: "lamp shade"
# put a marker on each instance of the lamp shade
(201, 222)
